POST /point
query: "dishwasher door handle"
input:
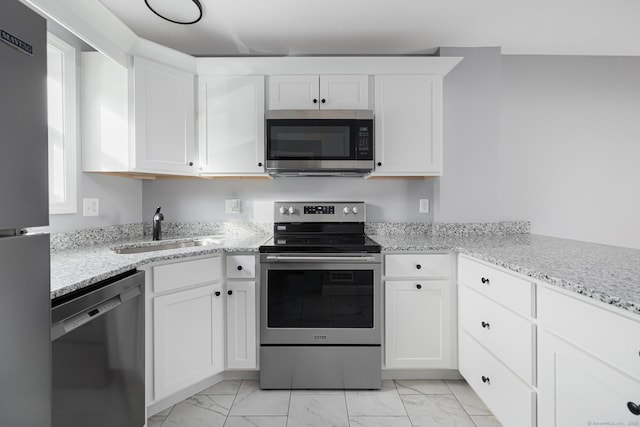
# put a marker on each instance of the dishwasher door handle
(72, 323)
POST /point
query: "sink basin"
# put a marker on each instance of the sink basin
(162, 246)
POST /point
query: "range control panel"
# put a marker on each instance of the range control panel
(319, 211)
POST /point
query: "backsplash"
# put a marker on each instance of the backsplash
(119, 233)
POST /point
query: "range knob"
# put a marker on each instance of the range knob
(282, 210)
(355, 210)
(291, 210)
(346, 210)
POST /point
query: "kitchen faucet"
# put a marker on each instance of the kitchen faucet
(157, 227)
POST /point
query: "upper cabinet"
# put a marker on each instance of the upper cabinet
(231, 125)
(313, 92)
(408, 125)
(137, 121)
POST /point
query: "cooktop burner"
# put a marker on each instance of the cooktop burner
(319, 227)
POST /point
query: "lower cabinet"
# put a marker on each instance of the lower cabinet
(418, 327)
(188, 338)
(241, 325)
(577, 389)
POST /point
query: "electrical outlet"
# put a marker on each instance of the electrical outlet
(233, 206)
(424, 205)
(91, 207)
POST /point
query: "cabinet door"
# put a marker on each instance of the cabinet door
(344, 92)
(294, 92)
(241, 325)
(188, 338)
(232, 125)
(418, 324)
(164, 119)
(576, 389)
(408, 126)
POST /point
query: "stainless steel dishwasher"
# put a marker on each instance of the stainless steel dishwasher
(97, 338)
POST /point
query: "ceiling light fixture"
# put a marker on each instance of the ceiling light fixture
(196, 2)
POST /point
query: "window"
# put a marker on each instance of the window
(61, 104)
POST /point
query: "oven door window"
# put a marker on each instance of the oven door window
(309, 141)
(320, 299)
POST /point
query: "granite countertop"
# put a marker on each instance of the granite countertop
(610, 274)
(74, 269)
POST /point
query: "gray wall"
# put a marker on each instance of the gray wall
(120, 198)
(571, 146)
(469, 190)
(203, 201)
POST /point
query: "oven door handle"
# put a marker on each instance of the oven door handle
(288, 258)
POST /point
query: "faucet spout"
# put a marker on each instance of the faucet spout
(157, 226)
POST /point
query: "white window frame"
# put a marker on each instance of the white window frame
(70, 203)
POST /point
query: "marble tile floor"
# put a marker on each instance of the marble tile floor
(400, 403)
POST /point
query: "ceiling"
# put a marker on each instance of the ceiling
(333, 27)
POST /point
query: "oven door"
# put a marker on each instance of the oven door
(320, 299)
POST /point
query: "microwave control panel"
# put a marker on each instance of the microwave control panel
(365, 142)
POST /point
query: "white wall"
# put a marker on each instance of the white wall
(203, 200)
(120, 198)
(571, 146)
(468, 191)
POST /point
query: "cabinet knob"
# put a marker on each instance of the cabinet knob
(379, 163)
(485, 280)
(635, 409)
(418, 266)
(259, 164)
(229, 292)
(323, 100)
(190, 163)
(315, 101)
(419, 286)
(485, 325)
(217, 293)
(486, 380)
(239, 268)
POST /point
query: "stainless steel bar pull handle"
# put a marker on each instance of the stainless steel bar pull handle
(319, 258)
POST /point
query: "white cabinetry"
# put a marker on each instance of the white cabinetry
(137, 121)
(231, 125)
(419, 311)
(589, 363)
(241, 312)
(186, 331)
(408, 125)
(313, 92)
(497, 338)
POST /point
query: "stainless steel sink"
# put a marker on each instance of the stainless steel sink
(162, 246)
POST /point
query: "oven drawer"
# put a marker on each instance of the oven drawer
(241, 266)
(418, 265)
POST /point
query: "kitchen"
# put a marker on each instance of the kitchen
(523, 141)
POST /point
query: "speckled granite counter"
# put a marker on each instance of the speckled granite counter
(73, 269)
(610, 274)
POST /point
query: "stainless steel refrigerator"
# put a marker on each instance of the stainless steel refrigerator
(25, 310)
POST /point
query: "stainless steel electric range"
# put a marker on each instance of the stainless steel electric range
(320, 299)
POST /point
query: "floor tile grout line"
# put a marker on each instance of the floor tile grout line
(403, 405)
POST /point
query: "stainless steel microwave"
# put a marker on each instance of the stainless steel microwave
(319, 142)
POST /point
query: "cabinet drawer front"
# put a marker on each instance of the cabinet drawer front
(508, 336)
(612, 337)
(514, 292)
(418, 265)
(187, 273)
(508, 398)
(241, 266)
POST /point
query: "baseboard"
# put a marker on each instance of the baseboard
(421, 374)
(177, 397)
